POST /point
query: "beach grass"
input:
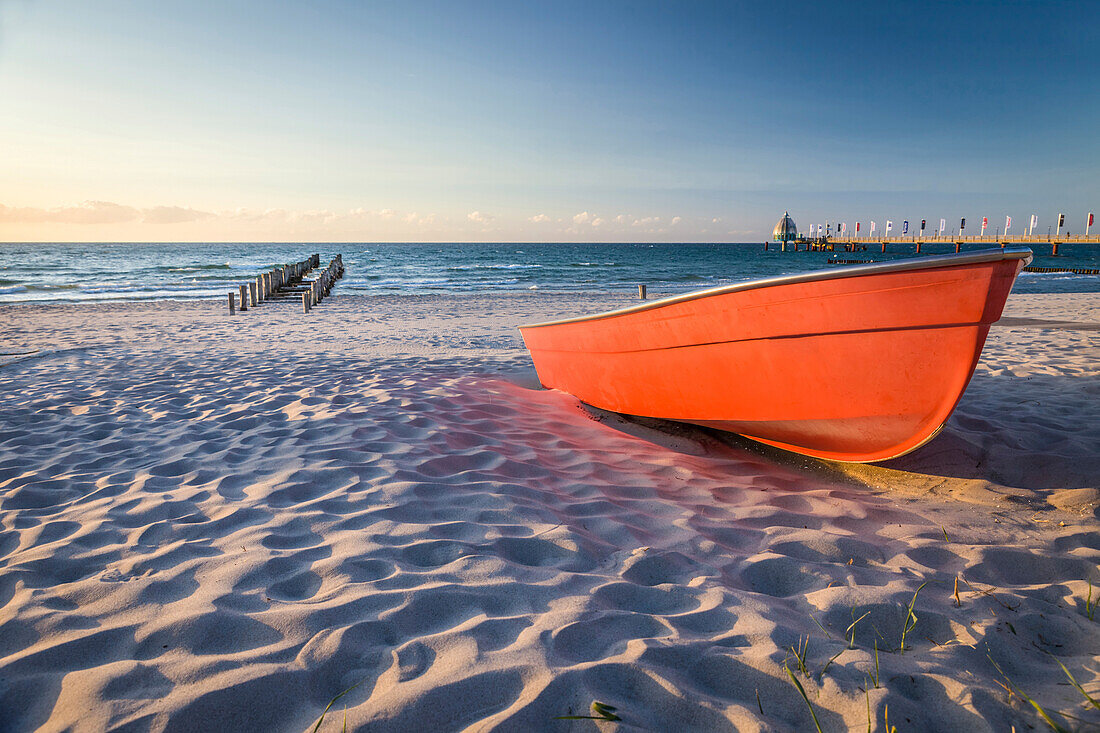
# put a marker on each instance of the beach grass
(1076, 685)
(329, 707)
(805, 697)
(1015, 691)
(799, 653)
(910, 618)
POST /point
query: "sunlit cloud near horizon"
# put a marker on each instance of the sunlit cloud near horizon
(434, 121)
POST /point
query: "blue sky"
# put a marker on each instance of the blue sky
(539, 121)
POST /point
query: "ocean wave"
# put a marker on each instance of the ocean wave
(1056, 275)
(49, 287)
(195, 268)
(464, 268)
(72, 272)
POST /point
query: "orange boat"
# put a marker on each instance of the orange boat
(860, 363)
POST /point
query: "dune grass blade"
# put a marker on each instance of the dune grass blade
(1012, 688)
(814, 618)
(850, 632)
(802, 691)
(800, 655)
(333, 702)
(832, 659)
(886, 721)
(910, 617)
(1073, 681)
(874, 679)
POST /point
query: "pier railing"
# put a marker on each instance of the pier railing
(861, 244)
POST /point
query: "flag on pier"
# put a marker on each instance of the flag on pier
(843, 227)
(1008, 224)
(872, 227)
(943, 225)
(889, 226)
(905, 227)
(1088, 224)
(857, 227)
(985, 223)
(1034, 223)
(962, 225)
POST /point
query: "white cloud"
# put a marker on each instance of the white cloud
(89, 212)
(106, 212)
(173, 215)
(181, 222)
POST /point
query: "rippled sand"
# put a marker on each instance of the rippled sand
(222, 523)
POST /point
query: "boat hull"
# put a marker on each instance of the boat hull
(861, 368)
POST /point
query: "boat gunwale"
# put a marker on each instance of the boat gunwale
(906, 265)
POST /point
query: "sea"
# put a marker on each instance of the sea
(132, 271)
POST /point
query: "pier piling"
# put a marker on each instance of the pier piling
(232, 307)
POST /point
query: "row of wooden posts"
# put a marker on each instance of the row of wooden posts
(288, 279)
(322, 283)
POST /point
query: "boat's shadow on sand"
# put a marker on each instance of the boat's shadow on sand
(1025, 440)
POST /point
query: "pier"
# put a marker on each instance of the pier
(845, 243)
(287, 282)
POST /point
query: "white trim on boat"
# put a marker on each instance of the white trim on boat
(912, 263)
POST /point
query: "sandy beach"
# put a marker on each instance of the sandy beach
(222, 523)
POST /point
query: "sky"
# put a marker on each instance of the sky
(539, 121)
